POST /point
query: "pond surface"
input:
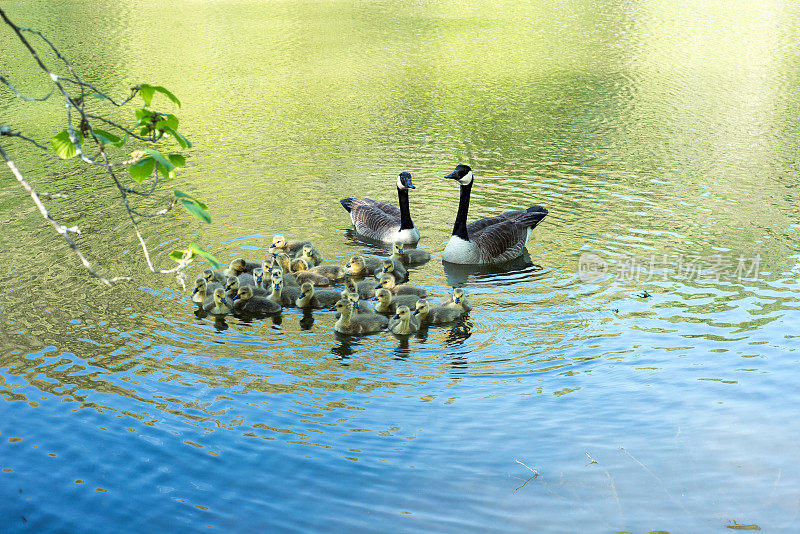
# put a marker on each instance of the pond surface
(663, 141)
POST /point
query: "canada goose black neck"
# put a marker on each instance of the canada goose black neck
(460, 226)
(405, 213)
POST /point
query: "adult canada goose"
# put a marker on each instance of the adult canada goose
(292, 248)
(403, 322)
(363, 265)
(220, 305)
(394, 268)
(457, 300)
(411, 256)
(428, 314)
(246, 302)
(309, 298)
(388, 303)
(350, 323)
(285, 296)
(364, 288)
(490, 240)
(386, 281)
(200, 292)
(381, 221)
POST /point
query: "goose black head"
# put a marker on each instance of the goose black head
(462, 173)
(404, 181)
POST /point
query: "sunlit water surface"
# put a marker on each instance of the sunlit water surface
(662, 139)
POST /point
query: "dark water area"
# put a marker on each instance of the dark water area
(635, 372)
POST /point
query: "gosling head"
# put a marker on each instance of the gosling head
(267, 264)
(403, 313)
(344, 306)
(278, 243)
(208, 274)
(307, 251)
(300, 265)
(384, 296)
(356, 264)
(239, 265)
(388, 265)
(458, 295)
(245, 293)
(199, 284)
(462, 173)
(258, 274)
(398, 248)
(277, 285)
(307, 289)
(385, 281)
(284, 261)
(232, 282)
(219, 297)
(404, 181)
(422, 307)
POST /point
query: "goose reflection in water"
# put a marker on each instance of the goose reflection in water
(457, 275)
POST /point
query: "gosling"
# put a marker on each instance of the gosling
(394, 268)
(246, 302)
(292, 248)
(200, 292)
(350, 323)
(220, 304)
(212, 275)
(428, 314)
(311, 255)
(333, 273)
(387, 282)
(403, 323)
(238, 268)
(412, 256)
(364, 266)
(388, 303)
(457, 300)
(309, 298)
(364, 288)
(285, 296)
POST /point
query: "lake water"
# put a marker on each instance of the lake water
(663, 140)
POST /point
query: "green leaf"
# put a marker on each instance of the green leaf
(107, 138)
(147, 91)
(143, 115)
(194, 247)
(170, 121)
(63, 145)
(177, 160)
(164, 165)
(165, 92)
(142, 169)
(185, 143)
(181, 194)
(178, 255)
(196, 210)
(144, 131)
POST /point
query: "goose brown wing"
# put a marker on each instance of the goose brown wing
(371, 221)
(503, 237)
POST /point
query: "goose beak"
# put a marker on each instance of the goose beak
(224, 301)
(355, 305)
(195, 291)
(333, 309)
(235, 298)
(396, 316)
(378, 286)
(457, 300)
(302, 295)
(385, 270)
(415, 312)
(452, 175)
(348, 265)
(227, 287)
